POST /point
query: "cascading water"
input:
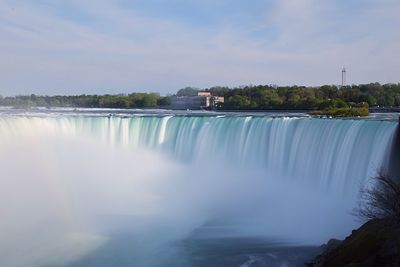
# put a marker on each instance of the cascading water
(336, 154)
(290, 178)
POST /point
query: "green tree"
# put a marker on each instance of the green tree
(187, 91)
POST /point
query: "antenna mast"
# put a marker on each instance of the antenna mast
(343, 76)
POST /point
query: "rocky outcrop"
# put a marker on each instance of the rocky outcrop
(375, 244)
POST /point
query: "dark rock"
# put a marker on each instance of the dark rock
(376, 243)
(332, 244)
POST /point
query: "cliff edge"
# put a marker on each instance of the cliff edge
(376, 243)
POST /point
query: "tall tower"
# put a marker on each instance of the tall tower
(343, 76)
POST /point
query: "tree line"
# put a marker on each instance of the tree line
(251, 97)
(264, 97)
(134, 100)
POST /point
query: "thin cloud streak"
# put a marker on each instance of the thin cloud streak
(118, 49)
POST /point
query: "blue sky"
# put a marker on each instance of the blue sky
(120, 46)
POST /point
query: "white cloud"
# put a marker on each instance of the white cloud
(115, 49)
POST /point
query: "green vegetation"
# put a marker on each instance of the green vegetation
(135, 100)
(344, 100)
(187, 91)
(342, 112)
(326, 97)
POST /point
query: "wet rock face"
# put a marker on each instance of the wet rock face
(375, 244)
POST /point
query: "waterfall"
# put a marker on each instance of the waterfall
(70, 182)
(335, 154)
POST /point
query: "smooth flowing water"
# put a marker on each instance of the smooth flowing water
(176, 190)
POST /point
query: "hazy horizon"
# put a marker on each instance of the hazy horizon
(98, 47)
